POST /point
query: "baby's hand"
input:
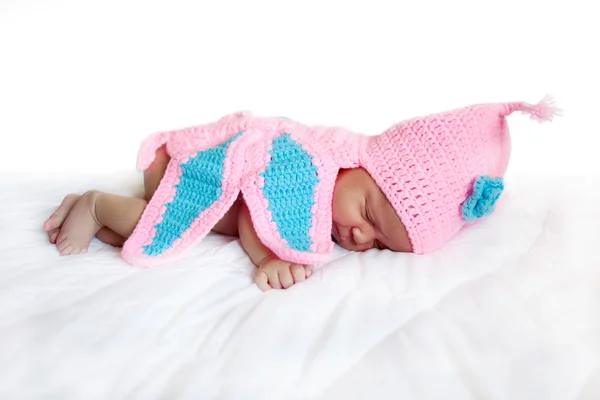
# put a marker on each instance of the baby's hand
(274, 273)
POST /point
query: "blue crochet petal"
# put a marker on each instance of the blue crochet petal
(200, 186)
(486, 192)
(290, 186)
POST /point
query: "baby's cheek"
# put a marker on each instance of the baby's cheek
(338, 213)
(343, 213)
(403, 244)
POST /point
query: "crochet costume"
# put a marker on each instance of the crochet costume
(439, 172)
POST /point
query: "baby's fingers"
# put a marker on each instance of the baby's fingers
(285, 277)
(261, 279)
(298, 272)
(308, 269)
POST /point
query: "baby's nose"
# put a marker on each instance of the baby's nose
(361, 239)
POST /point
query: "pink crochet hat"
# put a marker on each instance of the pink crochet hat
(445, 170)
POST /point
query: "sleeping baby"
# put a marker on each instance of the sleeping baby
(290, 192)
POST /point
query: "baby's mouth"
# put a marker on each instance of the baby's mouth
(335, 233)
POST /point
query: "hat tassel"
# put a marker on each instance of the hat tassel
(545, 110)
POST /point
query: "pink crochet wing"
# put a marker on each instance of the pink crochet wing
(199, 186)
(286, 172)
(290, 192)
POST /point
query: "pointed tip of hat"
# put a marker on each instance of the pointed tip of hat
(545, 110)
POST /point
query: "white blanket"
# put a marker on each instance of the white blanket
(507, 310)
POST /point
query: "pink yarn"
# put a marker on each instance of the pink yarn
(247, 158)
(426, 166)
(545, 110)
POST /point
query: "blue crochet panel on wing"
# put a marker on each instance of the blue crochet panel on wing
(486, 192)
(200, 185)
(290, 184)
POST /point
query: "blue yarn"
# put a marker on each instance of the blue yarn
(486, 192)
(290, 181)
(198, 188)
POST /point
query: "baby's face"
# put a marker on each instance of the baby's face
(363, 218)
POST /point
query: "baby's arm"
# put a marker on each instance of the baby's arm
(271, 272)
(250, 241)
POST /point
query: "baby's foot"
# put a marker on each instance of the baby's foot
(53, 224)
(80, 226)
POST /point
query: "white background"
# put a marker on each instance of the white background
(83, 82)
(509, 310)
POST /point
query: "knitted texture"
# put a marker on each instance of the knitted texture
(439, 172)
(289, 188)
(427, 167)
(199, 186)
(284, 170)
(486, 192)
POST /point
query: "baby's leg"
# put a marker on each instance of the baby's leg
(152, 178)
(94, 211)
(105, 235)
(154, 173)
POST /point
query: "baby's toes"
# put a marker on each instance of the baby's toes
(61, 241)
(66, 250)
(64, 245)
(53, 235)
(53, 222)
(67, 247)
(50, 224)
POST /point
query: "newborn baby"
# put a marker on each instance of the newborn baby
(291, 191)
